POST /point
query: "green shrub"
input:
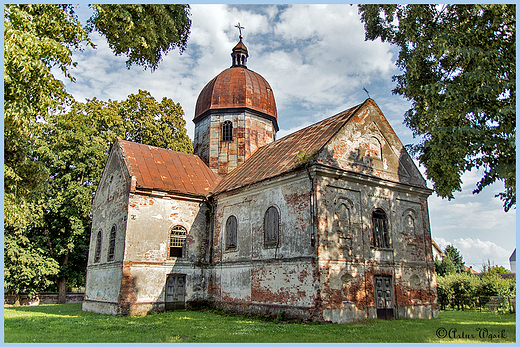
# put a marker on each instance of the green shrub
(463, 290)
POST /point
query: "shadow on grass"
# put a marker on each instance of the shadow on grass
(67, 323)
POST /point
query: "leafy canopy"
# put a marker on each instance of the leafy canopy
(459, 72)
(51, 163)
(142, 32)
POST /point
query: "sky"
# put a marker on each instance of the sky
(318, 64)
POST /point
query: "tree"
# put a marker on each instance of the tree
(142, 32)
(36, 38)
(444, 267)
(158, 124)
(459, 72)
(493, 269)
(453, 254)
(40, 37)
(73, 156)
(73, 148)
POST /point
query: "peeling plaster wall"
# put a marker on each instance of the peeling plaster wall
(250, 132)
(367, 167)
(262, 279)
(109, 209)
(367, 144)
(146, 259)
(348, 261)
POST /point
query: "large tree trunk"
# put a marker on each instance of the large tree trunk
(62, 289)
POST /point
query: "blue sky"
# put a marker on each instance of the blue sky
(317, 62)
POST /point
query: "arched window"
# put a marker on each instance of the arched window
(177, 241)
(381, 237)
(111, 244)
(99, 242)
(231, 233)
(271, 227)
(343, 218)
(227, 131)
(409, 224)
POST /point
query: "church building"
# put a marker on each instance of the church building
(329, 223)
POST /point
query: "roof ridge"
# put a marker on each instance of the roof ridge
(255, 168)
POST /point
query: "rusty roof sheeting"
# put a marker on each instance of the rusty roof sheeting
(166, 170)
(278, 157)
(237, 87)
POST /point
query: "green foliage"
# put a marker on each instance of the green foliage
(27, 268)
(456, 259)
(303, 157)
(494, 269)
(158, 124)
(48, 182)
(464, 290)
(68, 324)
(444, 267)
(36, 38)
(459, 72)
(142, 32)
(459, 289)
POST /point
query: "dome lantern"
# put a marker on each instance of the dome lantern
(235, 114)
(239, 54)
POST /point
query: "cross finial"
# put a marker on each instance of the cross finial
(239, 29)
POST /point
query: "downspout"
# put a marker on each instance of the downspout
(311, 200)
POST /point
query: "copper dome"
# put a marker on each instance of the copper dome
(237, 87)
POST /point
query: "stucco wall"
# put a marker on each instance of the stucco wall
(250, 132)
(348, 259)
(147, 262)
(255, 277)
(109, 209)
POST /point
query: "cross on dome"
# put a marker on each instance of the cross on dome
(239, 55)
(239, 30)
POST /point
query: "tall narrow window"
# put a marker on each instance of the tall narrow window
(271, 227)
(177, 241)
(231, 233)
(227, 131)
(381, 237)
(343, 217)
(99, 242)
(111, 244)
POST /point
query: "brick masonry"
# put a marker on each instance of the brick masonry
(323, 266)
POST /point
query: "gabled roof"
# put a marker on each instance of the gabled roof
(166, 170)
(278, 157)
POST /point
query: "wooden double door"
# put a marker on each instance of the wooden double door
(175, 292)
(384, 296)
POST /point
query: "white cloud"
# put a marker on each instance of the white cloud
(476, 252)
(316, 60)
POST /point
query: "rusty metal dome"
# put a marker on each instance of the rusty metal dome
(237, 87)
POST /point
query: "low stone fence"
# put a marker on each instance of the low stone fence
(43, 298)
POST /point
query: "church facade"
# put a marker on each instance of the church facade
(329, 223)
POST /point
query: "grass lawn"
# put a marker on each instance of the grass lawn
(68, 324)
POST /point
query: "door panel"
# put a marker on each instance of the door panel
(384, 297)
(175, 292)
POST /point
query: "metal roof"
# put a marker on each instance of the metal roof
(278, 157)
(236, 87)
(166, 170)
